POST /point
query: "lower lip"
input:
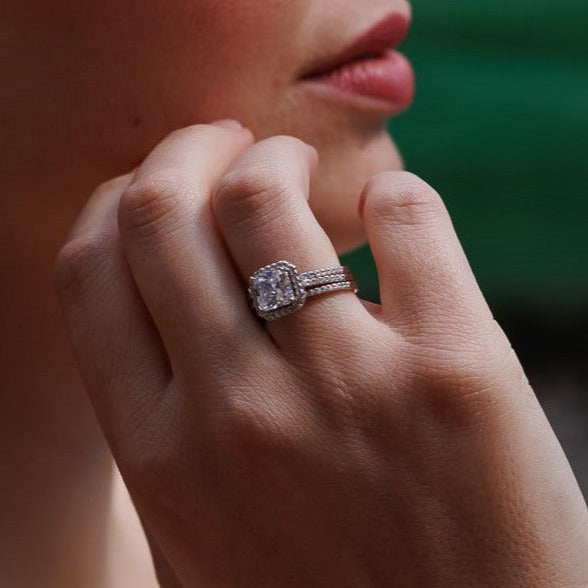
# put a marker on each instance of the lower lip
(385, 83)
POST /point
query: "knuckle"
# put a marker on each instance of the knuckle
(79, 261)
(152, 204)
(263, 179)
(242, 423)
(463, 389)
(248, 192)
(402, 198)
(247, 435)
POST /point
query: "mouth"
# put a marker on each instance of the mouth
(369, 70)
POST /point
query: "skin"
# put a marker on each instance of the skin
(71, 120)
(259, 454)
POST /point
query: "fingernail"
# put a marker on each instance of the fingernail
(313, 153)
(228, 123)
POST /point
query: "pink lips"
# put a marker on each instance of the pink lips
(370, 68)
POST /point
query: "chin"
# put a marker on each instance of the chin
(342, 173)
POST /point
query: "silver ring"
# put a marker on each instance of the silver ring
(279, 289)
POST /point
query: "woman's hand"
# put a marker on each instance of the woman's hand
(347, 444)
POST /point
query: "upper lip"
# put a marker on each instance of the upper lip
(381, 37)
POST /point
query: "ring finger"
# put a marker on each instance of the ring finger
(261, 206)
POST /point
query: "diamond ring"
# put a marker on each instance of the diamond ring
(278, 289)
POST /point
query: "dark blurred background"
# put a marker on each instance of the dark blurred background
(500, 129)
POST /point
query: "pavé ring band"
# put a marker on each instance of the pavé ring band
(278, 289)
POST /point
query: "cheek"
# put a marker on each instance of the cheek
(163, 65)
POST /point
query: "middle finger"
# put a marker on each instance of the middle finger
(177, 258)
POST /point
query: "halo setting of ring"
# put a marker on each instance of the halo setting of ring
(275, 290)
(278, 289)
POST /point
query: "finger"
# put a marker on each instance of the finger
(119, 353)
(176, 255)
(262, 210)
(425, 278)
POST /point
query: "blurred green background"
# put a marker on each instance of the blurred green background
(500, 128)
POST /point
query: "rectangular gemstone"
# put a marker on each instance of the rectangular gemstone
(273, 288)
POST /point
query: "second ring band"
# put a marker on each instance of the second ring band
(278, 289)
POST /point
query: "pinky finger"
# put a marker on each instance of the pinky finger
(425, 279)
(120, 356)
